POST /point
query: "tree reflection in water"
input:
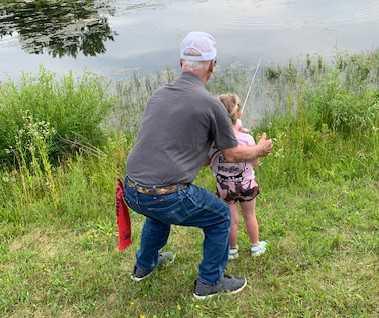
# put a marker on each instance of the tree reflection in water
(58, 27)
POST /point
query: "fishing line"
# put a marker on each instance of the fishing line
(251, 85)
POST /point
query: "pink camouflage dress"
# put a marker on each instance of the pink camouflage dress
(235, 181)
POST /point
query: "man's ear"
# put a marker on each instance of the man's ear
(211, 67)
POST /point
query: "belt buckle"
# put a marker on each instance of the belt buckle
(165, 190)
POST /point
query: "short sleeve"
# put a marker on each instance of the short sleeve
(250, 140)
(221, 128)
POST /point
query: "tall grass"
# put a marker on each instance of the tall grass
(132, 96)
(74, 108)
(332, 135)
(322, 117)
(325, 124)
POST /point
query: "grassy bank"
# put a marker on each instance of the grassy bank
(318, 208)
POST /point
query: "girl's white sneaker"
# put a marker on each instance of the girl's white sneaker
(233, 253)
(259, 248)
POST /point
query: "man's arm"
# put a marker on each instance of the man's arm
(242, 153)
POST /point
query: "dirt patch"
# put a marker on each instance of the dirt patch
(43, 241)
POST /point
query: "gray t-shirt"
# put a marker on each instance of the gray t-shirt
(180, 123)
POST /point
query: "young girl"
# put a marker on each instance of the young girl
(236, 182)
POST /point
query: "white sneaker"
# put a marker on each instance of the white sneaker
(259, 248)
(233, 253)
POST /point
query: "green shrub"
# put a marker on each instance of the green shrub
(342, 110)
(332, 135)
(73, 108)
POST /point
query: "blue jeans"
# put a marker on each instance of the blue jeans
(191, 206)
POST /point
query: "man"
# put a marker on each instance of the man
(180, 123)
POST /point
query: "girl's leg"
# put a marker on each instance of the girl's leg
(248, 211)
(234, 225)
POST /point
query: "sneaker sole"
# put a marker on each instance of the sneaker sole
(258, 253)
(138, 279)
(235, 256)
(198, 297)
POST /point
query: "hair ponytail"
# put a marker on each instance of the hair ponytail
(232, 105)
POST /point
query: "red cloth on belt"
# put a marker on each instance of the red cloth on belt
(123, 218)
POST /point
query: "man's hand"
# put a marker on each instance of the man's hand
(241, 153)
(265, 145)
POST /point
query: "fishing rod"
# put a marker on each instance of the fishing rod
(251, 85)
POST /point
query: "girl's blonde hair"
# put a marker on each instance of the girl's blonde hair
(232, 104)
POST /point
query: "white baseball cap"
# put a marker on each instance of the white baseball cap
(198, 46)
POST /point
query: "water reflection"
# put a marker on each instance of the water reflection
(149, 32)
(59, 28)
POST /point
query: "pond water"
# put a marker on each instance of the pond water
(116, 37)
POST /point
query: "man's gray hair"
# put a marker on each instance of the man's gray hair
(195, 65)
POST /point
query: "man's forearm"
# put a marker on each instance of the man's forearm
(243, 153)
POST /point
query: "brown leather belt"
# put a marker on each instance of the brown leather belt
(156, 190)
